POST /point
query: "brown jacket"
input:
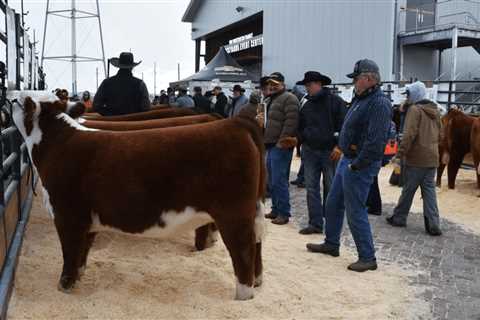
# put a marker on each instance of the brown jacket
(282, 118)
(421, 135)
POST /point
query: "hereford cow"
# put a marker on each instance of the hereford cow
(475, 146)
(149, 124)
(456, 144)
(147, 115)
(104, 180)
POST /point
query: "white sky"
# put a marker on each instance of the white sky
(152, 29)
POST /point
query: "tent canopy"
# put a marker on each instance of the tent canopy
(222, 67)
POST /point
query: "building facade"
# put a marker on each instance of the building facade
(407, 38)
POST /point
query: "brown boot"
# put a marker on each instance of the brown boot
(271, 215)
(280, 220)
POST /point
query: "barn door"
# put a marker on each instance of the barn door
(420, 14)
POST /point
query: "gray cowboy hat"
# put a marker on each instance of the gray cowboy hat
(125, 61)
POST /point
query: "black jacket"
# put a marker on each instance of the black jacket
(202, 104)
(221, 104)
(321, 119)
(121, 94)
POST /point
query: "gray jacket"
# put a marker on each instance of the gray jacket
(184, 102)
(237, 105)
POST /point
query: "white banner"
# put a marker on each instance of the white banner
(27, 72)
(11, 49)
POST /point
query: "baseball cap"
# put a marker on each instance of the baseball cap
(364, 66)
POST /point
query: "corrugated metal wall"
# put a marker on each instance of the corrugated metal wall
(324, 35)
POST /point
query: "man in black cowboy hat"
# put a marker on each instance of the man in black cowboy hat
(239, 100)
(320, 121)
(122, 93)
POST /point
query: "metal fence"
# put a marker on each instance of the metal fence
(464, 94)
(20, 72)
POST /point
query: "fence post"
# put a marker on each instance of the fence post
(450, 87)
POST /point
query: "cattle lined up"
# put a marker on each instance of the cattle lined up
(95, 180)
(461, 135)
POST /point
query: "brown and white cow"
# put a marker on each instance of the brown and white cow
(151, 183)
(147, 115)
(456, 144)
(475, 146)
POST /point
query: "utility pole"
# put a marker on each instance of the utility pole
(178, 71)
(154, 79)
(74, 49)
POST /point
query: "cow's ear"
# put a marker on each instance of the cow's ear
(77, 110)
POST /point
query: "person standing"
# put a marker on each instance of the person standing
(239, 100)
(183, 100)
(202, 104)
(362, 140)
(321, 119)
(280, 139)
(222, 101)
(122, 93)
(419, 149)
(163, 97)
(87, 101)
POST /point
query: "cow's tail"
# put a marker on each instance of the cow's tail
(247, 119)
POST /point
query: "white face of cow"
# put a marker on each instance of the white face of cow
(25, 115)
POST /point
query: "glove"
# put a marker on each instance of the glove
(286, 142)
(336, 154)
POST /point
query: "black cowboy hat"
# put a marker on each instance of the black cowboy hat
(125, 61)
(238, 88)
(311, 76)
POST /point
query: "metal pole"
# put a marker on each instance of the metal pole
(154, 79)
(44, 32)
(74, 50)
(23, 21)
(178, 70)
(101, 40)
(454, 53)
(96, 74)
(401, 62)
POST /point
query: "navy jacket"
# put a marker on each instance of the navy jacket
(321, 119)
(121, 94)
(366, 128)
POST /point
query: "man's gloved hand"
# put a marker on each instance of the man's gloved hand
(287, 143)
(260, 119)
(336, 154)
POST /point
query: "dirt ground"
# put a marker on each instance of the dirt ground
(131, 278)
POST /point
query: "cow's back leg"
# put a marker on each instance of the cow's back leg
(86, 249)
(259, 236)
(454, 164)
(239, 238)
(73, 238)
(205, 236)
(440, 170)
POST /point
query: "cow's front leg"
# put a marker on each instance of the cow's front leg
(73, 238)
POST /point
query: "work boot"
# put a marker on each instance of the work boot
(324, 248)
(391, 221)
(310, 230)
(301, 185)
(280, 220)
(361, 266)
(271, 215)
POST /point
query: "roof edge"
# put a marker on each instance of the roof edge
(191, 10)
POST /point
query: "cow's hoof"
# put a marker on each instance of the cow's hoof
(258, 281)
(66, 284)
(244, 292)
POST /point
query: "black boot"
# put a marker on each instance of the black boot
(324, 248)
(361, 266)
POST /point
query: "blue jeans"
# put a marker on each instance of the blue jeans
(349, 193)
(278, 166)
(317, 162)
(425, 179)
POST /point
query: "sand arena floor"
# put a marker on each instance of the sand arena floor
(132, 278)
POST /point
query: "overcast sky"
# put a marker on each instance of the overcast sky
(151, 29)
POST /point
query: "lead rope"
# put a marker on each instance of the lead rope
(30, 162)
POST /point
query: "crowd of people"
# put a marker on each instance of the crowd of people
(342, 145)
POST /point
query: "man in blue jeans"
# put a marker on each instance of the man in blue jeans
(279, 137)
(362, 140)
(321, 119)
